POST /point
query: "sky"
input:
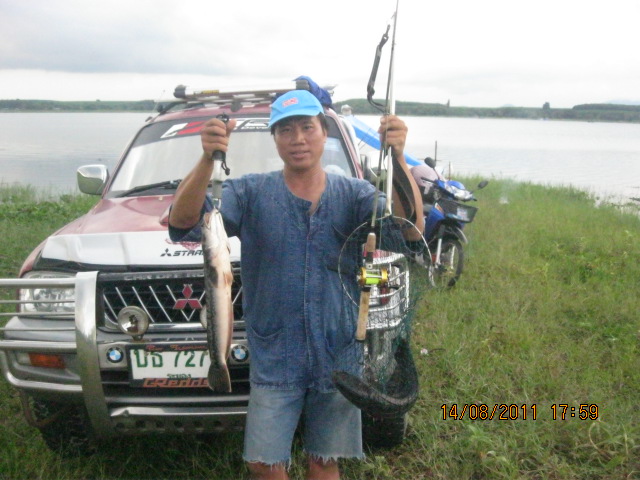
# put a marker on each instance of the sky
(487, 53)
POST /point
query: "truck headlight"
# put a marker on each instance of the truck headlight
(41, 300)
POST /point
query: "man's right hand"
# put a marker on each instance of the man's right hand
(215, 135)
(189, 197)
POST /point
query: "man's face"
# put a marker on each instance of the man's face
(300, 142)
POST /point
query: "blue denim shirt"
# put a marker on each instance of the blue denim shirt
(297, 315)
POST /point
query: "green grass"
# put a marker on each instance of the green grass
(28, 216)
(546, 313)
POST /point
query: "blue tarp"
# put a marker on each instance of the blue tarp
(371, 137)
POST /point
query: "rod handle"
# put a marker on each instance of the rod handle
(219, 155)
(363, 312)
(363, 315)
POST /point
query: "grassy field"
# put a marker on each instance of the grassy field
(546, 314)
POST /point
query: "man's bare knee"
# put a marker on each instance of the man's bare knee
(263, 471)
(320, 469)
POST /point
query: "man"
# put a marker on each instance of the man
(292, 224)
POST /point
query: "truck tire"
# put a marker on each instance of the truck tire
(383, 432)
(64, 428)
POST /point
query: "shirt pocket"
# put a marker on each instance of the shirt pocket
(268, 357)
(340, 329)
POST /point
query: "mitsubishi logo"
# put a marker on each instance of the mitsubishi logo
(181, 303)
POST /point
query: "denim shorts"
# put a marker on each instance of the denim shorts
(332, 426)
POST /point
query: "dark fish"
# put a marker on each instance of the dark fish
(217, 315)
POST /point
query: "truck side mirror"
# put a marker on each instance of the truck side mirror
(92, 179)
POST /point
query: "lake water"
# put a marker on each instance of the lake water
(45, 149)
(602, 158)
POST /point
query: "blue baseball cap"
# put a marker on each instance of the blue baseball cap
(295, 102)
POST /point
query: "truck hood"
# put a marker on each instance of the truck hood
(125, 232)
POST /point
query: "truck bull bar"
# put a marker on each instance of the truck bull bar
(107, 418)
(85, 346)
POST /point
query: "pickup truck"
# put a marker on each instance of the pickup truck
(106, 338)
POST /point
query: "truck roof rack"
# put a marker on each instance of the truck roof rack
(236, 99)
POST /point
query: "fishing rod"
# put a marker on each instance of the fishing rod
(379, 375)
(388, 108)
(369, 275)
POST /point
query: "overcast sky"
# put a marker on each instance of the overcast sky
(485, 53)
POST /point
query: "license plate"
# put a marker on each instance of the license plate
(169, 366)
(463, 214)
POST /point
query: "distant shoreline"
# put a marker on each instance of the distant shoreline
(588, 112)
(604, 112)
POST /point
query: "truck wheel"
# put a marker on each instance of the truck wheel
(383, 432)
(64, 428)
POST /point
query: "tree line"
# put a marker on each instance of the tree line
(597, 112)
(76, 106)
(586, 112)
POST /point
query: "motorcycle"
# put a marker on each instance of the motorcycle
(446, 213)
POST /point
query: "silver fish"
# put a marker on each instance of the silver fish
(217, 315)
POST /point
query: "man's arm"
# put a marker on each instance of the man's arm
(190, 196)
(407, 201)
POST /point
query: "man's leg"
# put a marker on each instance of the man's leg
(262, 471)
(333, 430)
(319, 469)
(272, 419)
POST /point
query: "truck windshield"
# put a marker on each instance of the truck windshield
(166, 151)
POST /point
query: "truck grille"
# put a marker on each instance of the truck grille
(172, 299)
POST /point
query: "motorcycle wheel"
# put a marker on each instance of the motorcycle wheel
(447, 272)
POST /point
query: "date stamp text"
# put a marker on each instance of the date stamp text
(513, 411)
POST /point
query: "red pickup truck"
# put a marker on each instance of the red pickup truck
(85, 370)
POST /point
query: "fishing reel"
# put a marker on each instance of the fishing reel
(368, 277)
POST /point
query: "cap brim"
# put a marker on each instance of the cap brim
(299, 112)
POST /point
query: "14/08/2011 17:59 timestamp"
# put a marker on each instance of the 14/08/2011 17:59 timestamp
(559, 411)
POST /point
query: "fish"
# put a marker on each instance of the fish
(217, 314)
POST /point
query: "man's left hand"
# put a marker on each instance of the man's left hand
(393, 132)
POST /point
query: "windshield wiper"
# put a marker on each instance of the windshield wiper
(167, 185)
